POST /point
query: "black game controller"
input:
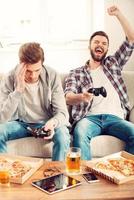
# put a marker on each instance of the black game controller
(39, 132)
(98, 91)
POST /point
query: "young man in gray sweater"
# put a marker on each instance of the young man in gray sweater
(31, 97)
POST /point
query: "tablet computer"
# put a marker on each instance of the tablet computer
(56, 183)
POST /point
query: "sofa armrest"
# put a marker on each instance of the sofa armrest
(131, 116)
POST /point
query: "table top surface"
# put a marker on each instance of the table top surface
(101, 190)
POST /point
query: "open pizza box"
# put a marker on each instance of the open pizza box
(21, 168)
(114, 175)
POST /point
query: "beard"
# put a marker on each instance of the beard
(97, 58)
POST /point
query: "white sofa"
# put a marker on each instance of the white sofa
(100, 145)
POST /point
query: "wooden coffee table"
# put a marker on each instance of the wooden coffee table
(101, 190)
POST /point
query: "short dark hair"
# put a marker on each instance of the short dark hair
(31, 53)
(101, 33)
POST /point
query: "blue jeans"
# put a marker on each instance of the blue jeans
(104, 124)
(18, 129)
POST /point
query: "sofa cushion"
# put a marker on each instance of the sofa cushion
(100, 146)
(105, 144)
(30, 146)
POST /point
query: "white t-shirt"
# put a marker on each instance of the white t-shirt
(34, 111)
(101, 105)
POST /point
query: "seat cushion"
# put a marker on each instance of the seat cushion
(100, 146)
(30, 146)
(104, 145)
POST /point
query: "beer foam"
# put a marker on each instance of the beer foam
(73, 155)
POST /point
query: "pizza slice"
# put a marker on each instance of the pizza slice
(123, 165)
(105, 165)
(19, 168)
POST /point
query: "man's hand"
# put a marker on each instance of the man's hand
(86, 97)
(20, 77)
(75, 99)
(49, 126)
(113, 10)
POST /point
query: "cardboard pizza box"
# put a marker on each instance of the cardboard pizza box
(112, 175)
(33, 163)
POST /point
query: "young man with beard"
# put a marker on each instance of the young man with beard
(104, 114)
(31, 96)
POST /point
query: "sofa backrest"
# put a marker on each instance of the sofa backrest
(128, 77)
(1, 76)
(63, 77)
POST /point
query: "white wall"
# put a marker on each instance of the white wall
(113, 28)
(62, 59)
(74, 54)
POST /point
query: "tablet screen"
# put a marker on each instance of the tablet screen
(56, 183)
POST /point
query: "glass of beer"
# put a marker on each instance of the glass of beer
(4, 176)
(73, 159)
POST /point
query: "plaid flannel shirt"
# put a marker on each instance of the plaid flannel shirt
(79, 80)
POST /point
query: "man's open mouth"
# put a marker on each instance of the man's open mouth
(99, 50)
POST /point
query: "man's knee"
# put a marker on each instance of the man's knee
(82, 128)
(3, 132)
(62, 135)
